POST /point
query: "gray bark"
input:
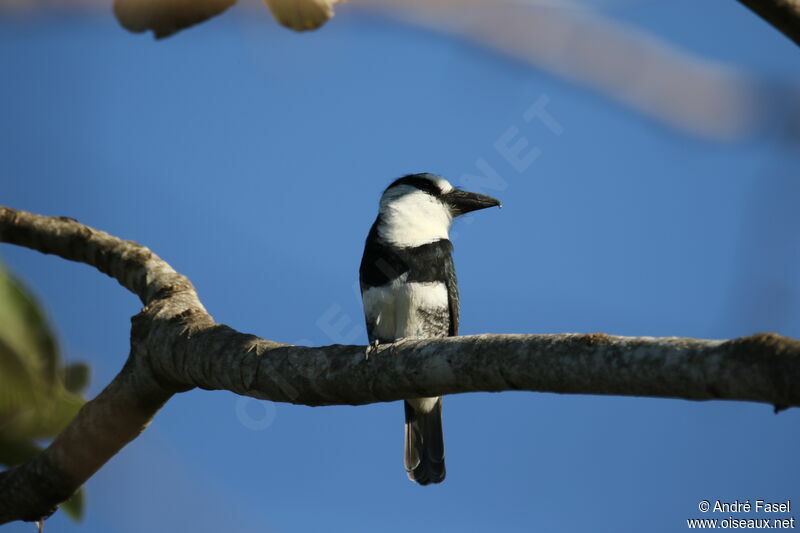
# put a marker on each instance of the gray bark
(176, 346)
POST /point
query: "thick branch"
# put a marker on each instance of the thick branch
(175, 346)
(782, 14)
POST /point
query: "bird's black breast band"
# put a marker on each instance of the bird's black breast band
(382, 263)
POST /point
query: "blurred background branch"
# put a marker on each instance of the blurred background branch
(567, 38)
(166, 17)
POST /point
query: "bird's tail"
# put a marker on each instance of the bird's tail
(424, 443)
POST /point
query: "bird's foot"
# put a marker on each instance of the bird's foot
(371, 348)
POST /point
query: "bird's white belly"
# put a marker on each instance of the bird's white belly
(405, 310)
(409, 310)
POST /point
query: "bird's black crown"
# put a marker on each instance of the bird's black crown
(425, 182)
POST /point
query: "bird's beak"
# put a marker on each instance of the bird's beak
(461, 202)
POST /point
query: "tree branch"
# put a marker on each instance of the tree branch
(782, 14)
(176, 346)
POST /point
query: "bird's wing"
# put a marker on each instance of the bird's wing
(380, 266)
(452, 295)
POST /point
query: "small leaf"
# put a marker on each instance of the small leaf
(14, 452)
(45, 420)
(302, 15)
(25, 330)
(75, 506)
(38, 397)
(20, 387)
(166, 17)
(76, 377)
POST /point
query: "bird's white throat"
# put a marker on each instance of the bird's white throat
(410, 217)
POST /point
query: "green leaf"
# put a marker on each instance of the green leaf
(35, 401)
(76, 377)
(38, 396)
(14, 452)
(25, 330)
(75, 506)
(19, 386)
(43, 420)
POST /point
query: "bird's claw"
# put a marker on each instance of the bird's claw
(372, 347)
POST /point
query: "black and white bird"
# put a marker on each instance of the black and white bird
(409, 290)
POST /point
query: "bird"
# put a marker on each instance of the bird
(409, 291)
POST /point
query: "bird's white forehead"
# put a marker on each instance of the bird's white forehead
(444, 185)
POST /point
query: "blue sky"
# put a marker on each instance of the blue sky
(252, 158)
